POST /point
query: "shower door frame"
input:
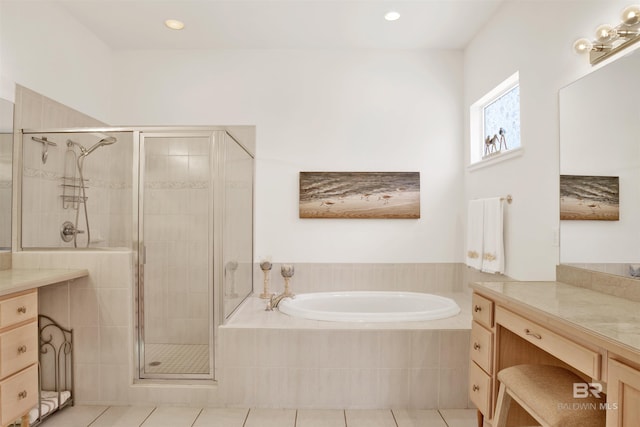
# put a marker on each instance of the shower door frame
(214, 245)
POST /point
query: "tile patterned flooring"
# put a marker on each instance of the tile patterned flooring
(165, 416)
(176, 359)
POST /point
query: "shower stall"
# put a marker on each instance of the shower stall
(180, 199)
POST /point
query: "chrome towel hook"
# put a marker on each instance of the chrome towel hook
(45, 146)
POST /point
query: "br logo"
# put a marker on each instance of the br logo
(583, 390)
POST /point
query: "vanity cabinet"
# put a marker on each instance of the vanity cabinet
(18, 356)
(481, 355)
(623, 395)
(545, 323)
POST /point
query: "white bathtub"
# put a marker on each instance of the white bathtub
(365, 306)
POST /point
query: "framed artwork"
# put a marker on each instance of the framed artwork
(584, 197)
(360, 195)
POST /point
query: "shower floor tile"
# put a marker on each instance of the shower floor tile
(176, 359)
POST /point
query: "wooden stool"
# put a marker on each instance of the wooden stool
(547, 394)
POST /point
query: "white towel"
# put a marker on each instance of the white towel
(493, 241)
(48, 403)
(475, 226)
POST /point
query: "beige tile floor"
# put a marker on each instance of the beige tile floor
(138, 416)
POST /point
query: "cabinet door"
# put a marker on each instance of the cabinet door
(623, 397)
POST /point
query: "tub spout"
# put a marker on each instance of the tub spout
(274, 301)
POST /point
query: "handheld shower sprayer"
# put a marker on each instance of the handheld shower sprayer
(84, 152)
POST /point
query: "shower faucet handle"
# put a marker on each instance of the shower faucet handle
(68, 230)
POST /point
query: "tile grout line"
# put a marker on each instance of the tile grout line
(148, 415)
(197, 416)
(246, 417)
(442, 416)
(394, 417)
(101, 413)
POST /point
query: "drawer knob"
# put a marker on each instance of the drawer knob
(477, 308)
(22, 309)
(533, 334)
(476, 346)
(475, 387)
(22, 395)
(22, 349)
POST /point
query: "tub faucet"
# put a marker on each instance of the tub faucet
(274, 301)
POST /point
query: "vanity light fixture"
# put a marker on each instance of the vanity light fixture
(174, 24)
(392, 15)
(609, 39)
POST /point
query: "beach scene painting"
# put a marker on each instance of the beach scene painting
(360, 195)
(595, 198)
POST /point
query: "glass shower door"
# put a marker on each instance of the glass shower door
(176, 251)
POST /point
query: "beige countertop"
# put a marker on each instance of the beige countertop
(17, 280)
(612, 319)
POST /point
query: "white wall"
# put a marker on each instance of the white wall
(536, 39)
(43, 48)
(317, 110)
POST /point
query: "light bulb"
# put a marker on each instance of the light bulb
(606, 33)
(392, 16)
(583, 46)
(631, 15)
(174, 24)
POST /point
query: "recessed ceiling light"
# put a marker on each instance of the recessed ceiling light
(392, 16)
(174, 24)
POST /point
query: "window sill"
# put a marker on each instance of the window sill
(516, 152)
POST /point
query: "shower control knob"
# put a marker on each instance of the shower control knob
(68, 230)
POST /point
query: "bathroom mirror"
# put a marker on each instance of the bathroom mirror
(600, 137)
(6, 154)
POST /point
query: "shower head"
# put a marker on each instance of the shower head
(108, 140)
(104, 141)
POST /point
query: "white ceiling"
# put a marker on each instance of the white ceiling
(283, 24)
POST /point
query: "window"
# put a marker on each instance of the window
(495, 122)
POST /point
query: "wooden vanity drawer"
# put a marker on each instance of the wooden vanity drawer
(481, 347)
(482, 310)
(18, 309)
(584, 359)
(480, 389)
(18, 394)
(18, 349)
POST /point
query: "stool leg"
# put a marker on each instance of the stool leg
(480, 418)
(25, 421)
(502, 407)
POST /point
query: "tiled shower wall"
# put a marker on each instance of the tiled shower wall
(108, 175)
(36, 111)
(176, 214)
(109, 202)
